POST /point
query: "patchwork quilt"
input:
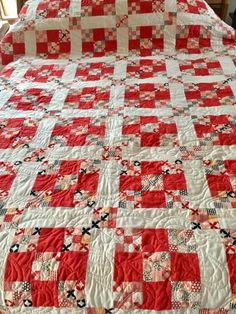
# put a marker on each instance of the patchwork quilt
(118, 159)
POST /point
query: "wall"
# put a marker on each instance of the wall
(232, 7)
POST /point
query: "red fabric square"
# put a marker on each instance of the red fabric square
(51, 240)
(130, 183)
(223, 119)
(88, 181)
(184, 267)
(151, 167)
(69, 167)
(202, 130)
(73, 266)
(146, 7)
(146, 120)
(155, 240)
(44, 293)
(53, 35)
(77, 140)
(44, 182)
(150, 139)
(6, 182)
(157, 296)
(128, 267)
(153, 199)
(131, 129)
(62, 198)
(174, 182)
(18, 266)
(231, 260)
(146, 31)
(230, 166)
(227, 139)
(218, 183)
(99, 34)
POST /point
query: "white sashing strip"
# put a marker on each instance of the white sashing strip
(120, 70)
(149, 20)
(99, 280)
(197, 187)
(221, 110)
(113, 135)
(227, 65)
(19, 73)
(75, 8)
(177, 95)
(108, 187)
(22, 185)
(52, 24)
(43, 135)
(116, 97)
(172, 68)
(213, 269)
(76, 42)
(121, 7)
(91, 22)
(186, 132)
(58, 99)
(148, 112)
(122, 40)
(30, 43)
(169, 38)
(5, 95)
(69, 73)
(233, 87)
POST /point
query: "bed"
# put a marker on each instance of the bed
(118, 159)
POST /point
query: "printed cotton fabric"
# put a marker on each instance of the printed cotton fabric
(118, 159)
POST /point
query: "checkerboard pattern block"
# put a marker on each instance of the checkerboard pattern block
(209, 94)
(150, 131)
(154, 184)
(147, 95)
(78, 22)
(71, 184)
(158, 274)
(221, 175)
(46, 267)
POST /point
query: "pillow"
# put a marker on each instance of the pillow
(85, 28)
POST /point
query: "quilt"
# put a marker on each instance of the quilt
(118, 159)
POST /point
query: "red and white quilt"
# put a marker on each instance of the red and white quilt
(118, 159)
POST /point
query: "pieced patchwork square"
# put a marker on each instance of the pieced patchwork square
(94, 71)
(147, 95)
(201, 67)
(156, 269)
(221, 179)
(17, 132)
(215, 130)
(35, 99)
(152, 184)
(193, 38)
(78, 132)
(44, 73)
(66, 184)
(88, 98)
(46, 267)
(209, 94)
(145, 68)
(150, 131)
(145, 40)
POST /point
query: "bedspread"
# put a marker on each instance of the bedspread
(118, 159)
